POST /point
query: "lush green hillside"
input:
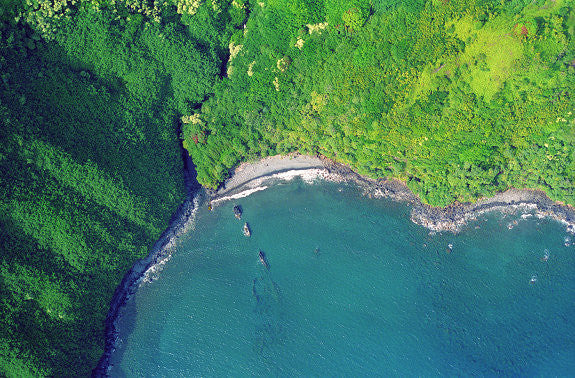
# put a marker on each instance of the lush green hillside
(457, 98)
(90, 162)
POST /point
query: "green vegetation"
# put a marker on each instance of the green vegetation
(459, 99)
(91, 94)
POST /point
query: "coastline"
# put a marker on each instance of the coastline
(158, 256)
(160, 253)
(251, 177)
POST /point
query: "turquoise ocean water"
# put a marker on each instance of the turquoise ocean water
(353, 288)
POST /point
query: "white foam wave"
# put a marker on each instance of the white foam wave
(243, 194)
(167, 250)
(307, 175)
(191, 222)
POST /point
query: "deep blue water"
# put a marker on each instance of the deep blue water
(353, 288)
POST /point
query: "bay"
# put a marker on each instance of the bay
(353, 288)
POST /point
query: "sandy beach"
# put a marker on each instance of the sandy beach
(251, 177)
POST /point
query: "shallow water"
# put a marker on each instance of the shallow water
(353, 288)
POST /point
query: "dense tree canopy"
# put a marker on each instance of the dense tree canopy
(91, 93)
(459, 99)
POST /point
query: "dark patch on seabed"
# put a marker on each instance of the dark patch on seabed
(268, 316)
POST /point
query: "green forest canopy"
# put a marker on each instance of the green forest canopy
(459, 99)
(91, 168)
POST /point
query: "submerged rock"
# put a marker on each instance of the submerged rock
(238, 211)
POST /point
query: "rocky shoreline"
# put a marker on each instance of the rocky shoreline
(249, 175)
(453, 217)
(161, 252)
(159, 255)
